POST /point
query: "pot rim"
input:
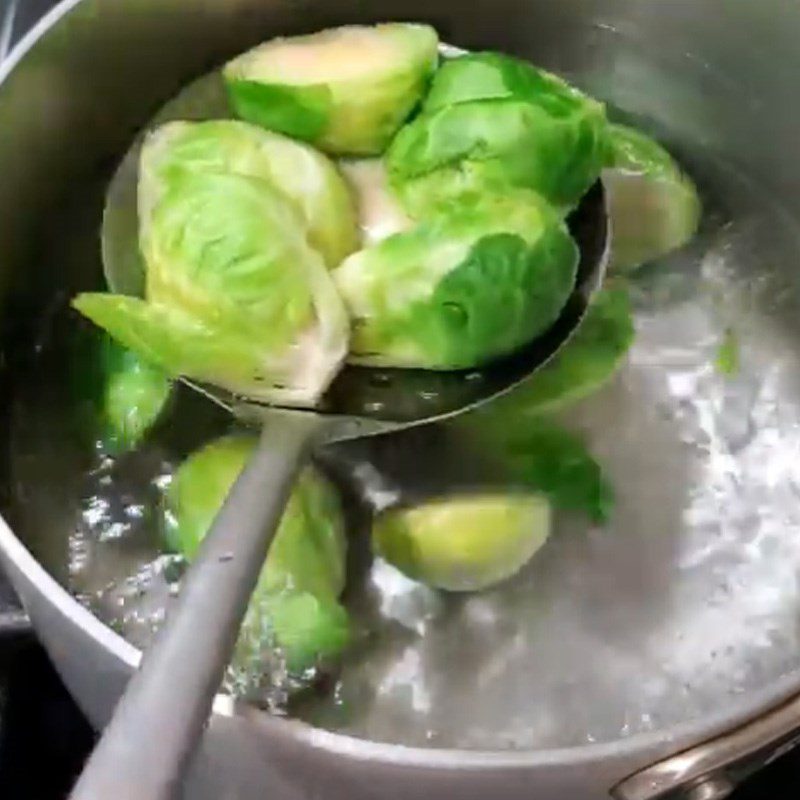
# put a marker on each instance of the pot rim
(667, 741)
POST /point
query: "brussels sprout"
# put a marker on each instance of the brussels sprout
(476, 281)
(115, 397)
(585, 363)
(295, 605)
(347, 90)
(304, 176)
(134, 397)
(379, 211)
(464, 543)
(493, 120)
(235, 295)
(654, 206)
(519, 429)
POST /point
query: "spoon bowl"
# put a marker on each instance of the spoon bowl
(399, 397)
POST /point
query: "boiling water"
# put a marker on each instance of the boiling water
(688, 598)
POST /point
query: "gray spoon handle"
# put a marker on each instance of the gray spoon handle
(147, 746)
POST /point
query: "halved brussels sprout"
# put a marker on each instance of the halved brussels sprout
(295, 605)
(302, 174)
(493, 120)
(474, 282)
(347, 90)
(654, 205)
(379, 211)
(464, 543)
(235, 295)
(134, 397)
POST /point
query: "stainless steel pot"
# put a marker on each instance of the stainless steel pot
(716, 77)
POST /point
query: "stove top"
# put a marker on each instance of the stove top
(44, 738)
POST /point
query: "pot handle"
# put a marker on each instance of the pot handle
(144, 751)
(712, 770)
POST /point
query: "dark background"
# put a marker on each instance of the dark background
(44, 739)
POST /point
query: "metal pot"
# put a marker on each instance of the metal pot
(717, 78)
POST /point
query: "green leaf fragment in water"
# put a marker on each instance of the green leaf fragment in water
(728, 359)
(556, 461)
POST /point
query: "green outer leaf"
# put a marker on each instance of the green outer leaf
(295, 602)
(473, 283)
(538, 453)
(503, 295)
(556, 462)
(497, 76)
(172, 340)
(134, 397)
(496, 143)
(302, 112)
(495, 121)
(362, 113)
(115, 396)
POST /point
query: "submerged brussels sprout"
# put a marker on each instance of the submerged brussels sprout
(474, 282)
(346, 90)
(557, 462)
(587, 361)
(494, 120)
(380, 213)
(295, 605)
(135, 394)
(116, 398)
(235, 295)
(464, 543)
(654, 206)
(536, 452)
(519, 429)
(304, 176)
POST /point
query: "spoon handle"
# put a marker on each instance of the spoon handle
(147, 746)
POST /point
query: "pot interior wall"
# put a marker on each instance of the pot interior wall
(689, 598)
